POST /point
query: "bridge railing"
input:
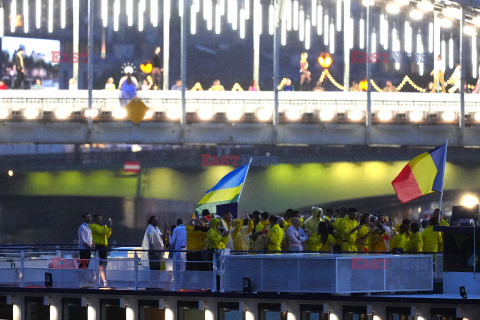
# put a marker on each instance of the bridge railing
(209, 106)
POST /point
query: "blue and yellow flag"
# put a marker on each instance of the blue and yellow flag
(227, 190)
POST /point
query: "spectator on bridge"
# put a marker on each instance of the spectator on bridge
(145, 85)
(467, 88)
(389, 87)
(296, 237)
(85, 246)
(305, 75)
(38, 85)
(3, 86)
(72, 84)
(110, 85)
(152, 241)
(128, 86)
(178, 243)
(355, 87)
(318, 87)
(431, 239)
(286, 85)
(157, 67)
(415, 243)
(20, 68)
(438, 73)
(177, 85)
(216, 86)
(254, 86)
(275, 235)
(100, 235)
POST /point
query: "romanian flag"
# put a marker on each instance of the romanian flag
(421, 176)
(227, 190)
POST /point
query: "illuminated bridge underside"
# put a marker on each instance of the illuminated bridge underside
(304, 118)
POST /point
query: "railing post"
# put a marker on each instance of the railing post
(135, 267)
(96, 265)
(22, 268)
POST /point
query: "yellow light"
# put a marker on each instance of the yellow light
(416, 14)
(10, 173)
(392, 8)
(469, 30)
(469, 200)
(119, 113)
(4, 113)
(355, 115)
(476, 21)
(385, 115)
(148, 114)
(452, 12)
(446, 23)
(293, 114)
(31, 113)
(205, 114)
(448, 116)
(173, 114)
(425, 5)
(62, 113)
(264, 114)
(416, 116)
(327, 115)
(477, 116)
(234, 114)
(91, 112)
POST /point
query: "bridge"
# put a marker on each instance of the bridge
(241, 118)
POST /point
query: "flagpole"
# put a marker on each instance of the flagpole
(441, 193)
(243, 184)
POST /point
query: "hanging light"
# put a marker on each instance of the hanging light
(350, 34)
(208, 14)
(450, 53)
(242, 23)
(295, 15)
(430, 37)
(368, 2)
(232, 10)
(116, 14)
(235, 16)
(326, 33)
(374, 41)
(396, 46)
(271, 19)
(13, 15)
(221, 3)
(180, 8)
(416, 14)
(50, 16)
(2, 32)
(382, 37)
(288, 14)
(392, 8)
(130, 12)
(314, 13)
(301, 26)
(247, 9)
(307, 34)
(443, 53)
(218, 18)
(476, 21)
(339, 15)
(258, 19)
(474, 56)
(332, 38)
(446, 23)
(38, 14)
(26, 13)
(104, 12)
(469, 30)
(408, 37)
(193, 22)
(453, 13)
(361, 30)
(320, 20)
(420, 62)
(283, 35)
(141, 11)
(154, 13)
(425, 6)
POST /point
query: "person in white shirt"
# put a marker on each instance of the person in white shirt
(456, 77)
(438, 74)
(178, 243)
(296, 236)
(85, 241)
(152, 241)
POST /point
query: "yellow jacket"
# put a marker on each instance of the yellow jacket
(415, 244)
(241, 235)
(365, 242)
(196, 240)
(100, 234)
(377, 243)
(400, 241)
(336, 224)
(214, 239)
(311, 224)
(275, 235)
(261, 225)
(316, 244)
(431, 240)
(348, 239)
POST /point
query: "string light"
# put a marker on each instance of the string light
(13, 15)
(339, 15)
(38, 14)
(307, 34)
(295, 15)
(301, 27)
(50, 16)
(154, 13)
(361, 31)
(314, 13)
(320, 20)
(26, 13)
(180, 8)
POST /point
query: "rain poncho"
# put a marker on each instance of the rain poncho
(311, 224)
(364, 244)
(431, 240)
(275, 235)
(316, 244)
(336, 225)
(348, 239)
(214, 239)
(196, 239)
(415, 244)
(241, 235)
(399, 241)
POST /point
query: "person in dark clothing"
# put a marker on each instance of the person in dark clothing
(157, 67)
(18, 63)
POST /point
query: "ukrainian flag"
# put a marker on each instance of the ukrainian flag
(227, 190)
(422, 175)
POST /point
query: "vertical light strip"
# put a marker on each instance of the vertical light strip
(232, 11)
(320, 20)
(295, 15)
(257, 18)
(374, 41)
(332, 38)
(218, 18)
(474, 56)
(408, 37)
(301, 26)
(2, 31)
(339, 15)
(116, 14)
(396, 46)
(26, 16)
(247, 9)
(450, 53)
(50, 16)
(130, 12)
(308, 28)
(420, 57)
(222, 6)
(13, 15)
(141, 10)
(443, 53)
(325, 31)
(154, 13)
(288, 15)
(384, 31)
(104, 12)
(430, 37)
(283, 34)
(38, 14)
(209, 13)
(180, 8)
(193, 21)
(361, 35)
(242, 23)
(314, 13)
(350, 34)
(205, 9)
(235, 15)
(271, 19)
